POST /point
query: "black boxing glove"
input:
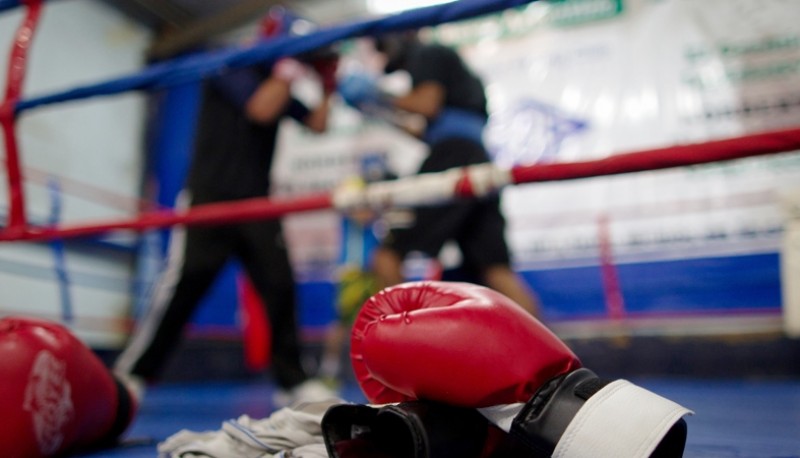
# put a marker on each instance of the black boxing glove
(413, 429)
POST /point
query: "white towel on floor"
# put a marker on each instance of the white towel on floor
(291, 432)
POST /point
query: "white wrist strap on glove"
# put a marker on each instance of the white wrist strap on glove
(621, 419)
(288, 69)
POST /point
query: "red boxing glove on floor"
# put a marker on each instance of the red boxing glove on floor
(456, 343)
(469, 346)
(57, 394)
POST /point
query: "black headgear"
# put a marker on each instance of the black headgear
(396, 47)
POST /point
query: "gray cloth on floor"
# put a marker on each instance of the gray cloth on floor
(291, 432)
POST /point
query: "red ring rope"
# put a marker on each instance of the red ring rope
(217, 213)
(263, 208)
(662, 158)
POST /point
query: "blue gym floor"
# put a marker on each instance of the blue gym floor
(733, 418)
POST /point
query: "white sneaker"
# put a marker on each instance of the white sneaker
(312, 390)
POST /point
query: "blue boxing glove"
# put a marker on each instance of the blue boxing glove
(360, 90)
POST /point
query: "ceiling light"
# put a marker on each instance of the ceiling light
(396, 6)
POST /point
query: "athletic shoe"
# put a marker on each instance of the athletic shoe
(312, 390)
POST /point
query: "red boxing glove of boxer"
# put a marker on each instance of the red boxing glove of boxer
(469, 346)
(57, 394)
(326, 69)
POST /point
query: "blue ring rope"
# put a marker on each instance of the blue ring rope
(59, 254)
(9, 4)
(192, 68)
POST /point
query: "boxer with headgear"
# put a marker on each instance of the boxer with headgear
(57, 395)
(451, 99)
(470, 347)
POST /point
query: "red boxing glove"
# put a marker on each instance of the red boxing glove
(326, 69)
(57, 394)
(469, 346)
(456, 343)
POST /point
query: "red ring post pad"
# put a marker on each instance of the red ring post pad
(17, 64)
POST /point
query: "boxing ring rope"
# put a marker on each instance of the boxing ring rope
(191, 69)
(9, 4)
(434, 188)
(474, 181)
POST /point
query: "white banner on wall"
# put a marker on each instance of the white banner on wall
(655, 73)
